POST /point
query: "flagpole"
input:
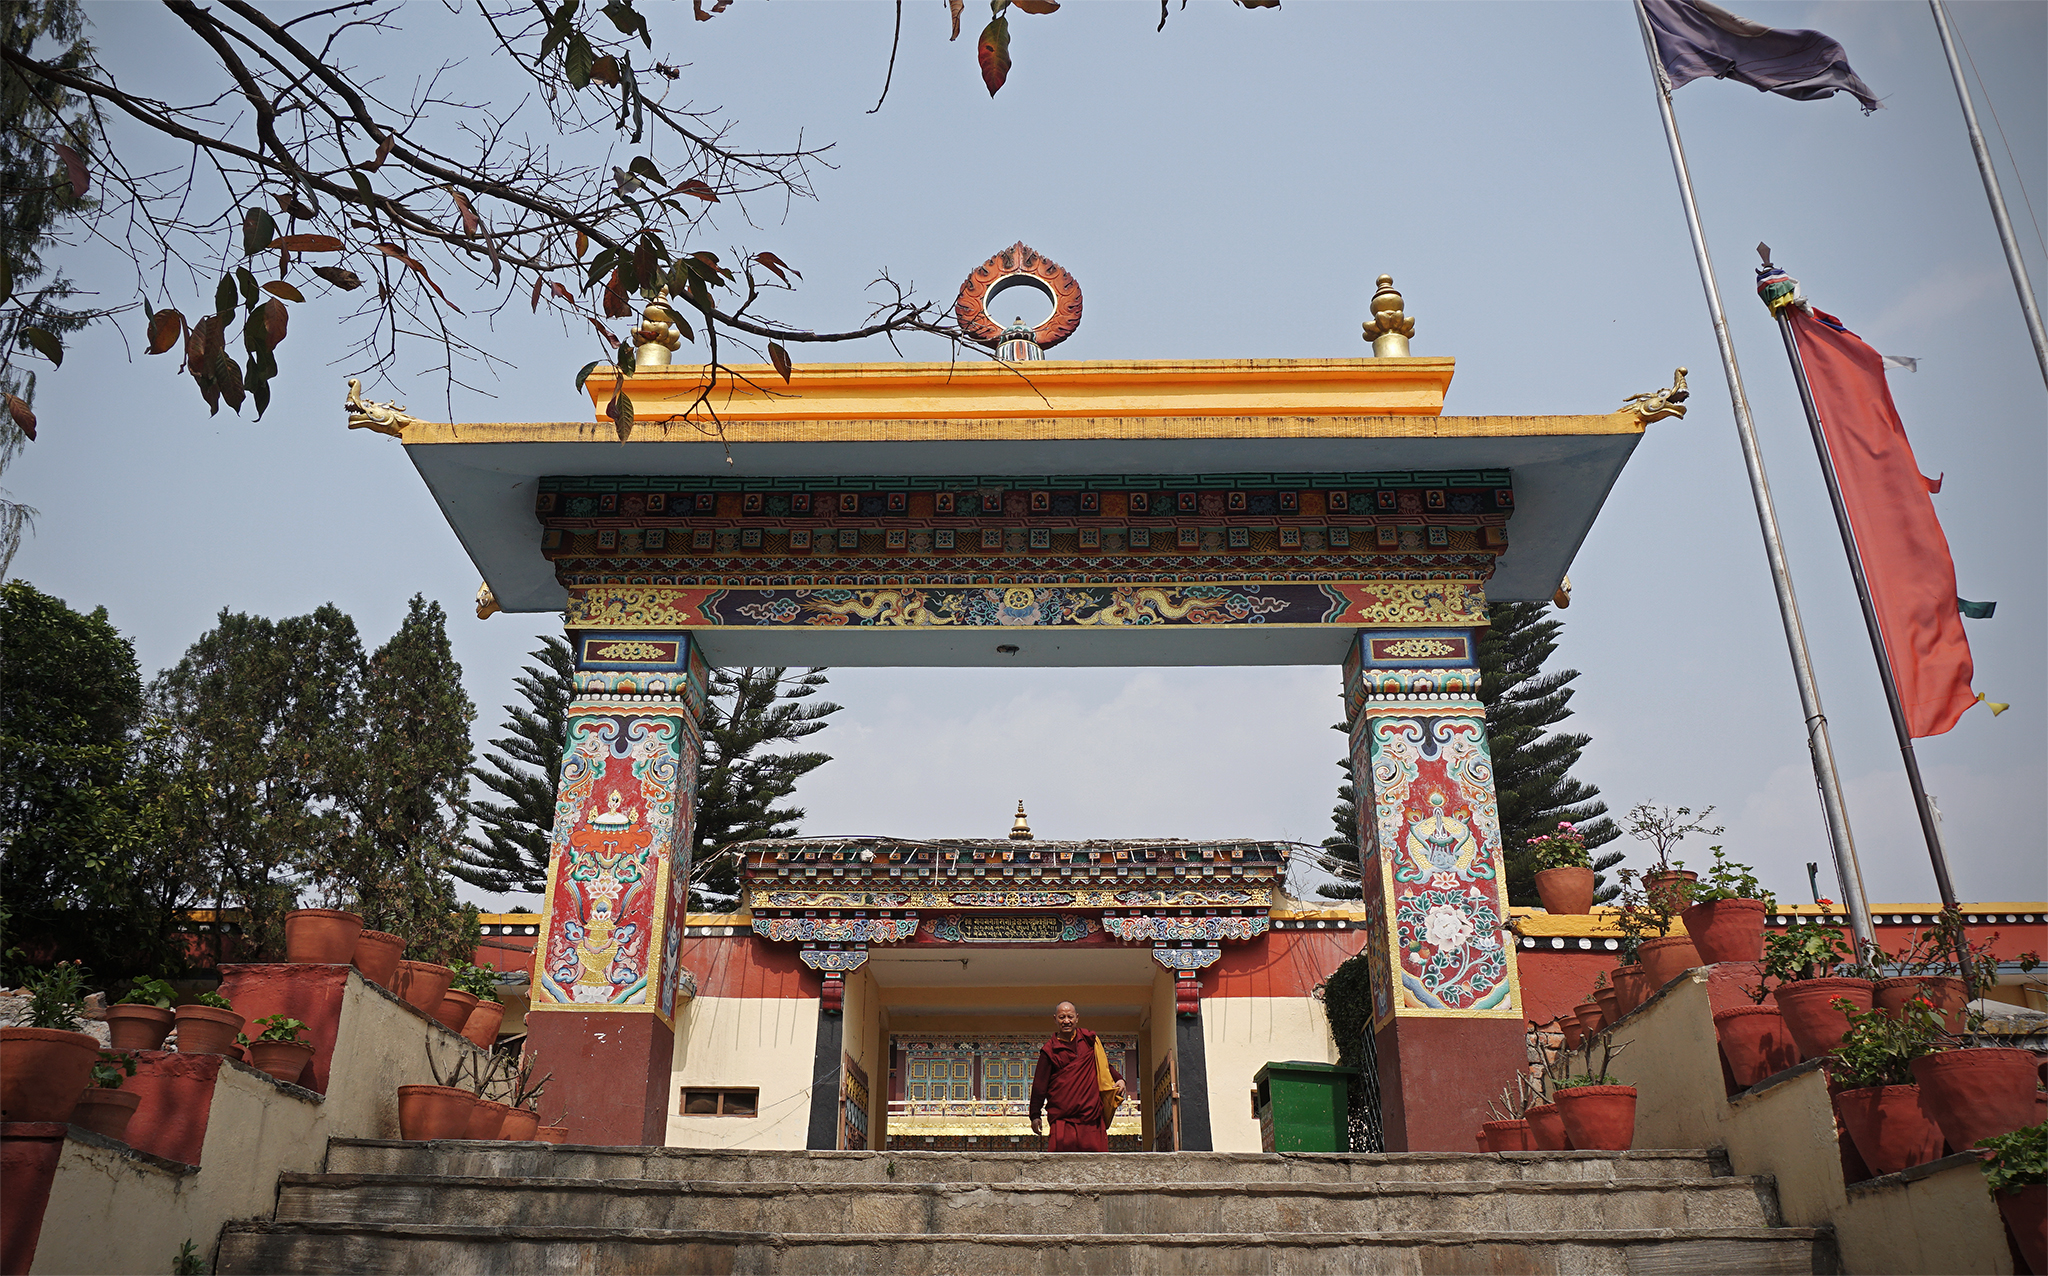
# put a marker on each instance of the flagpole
(1930, 828)
(1840, 841)
(2013, 260)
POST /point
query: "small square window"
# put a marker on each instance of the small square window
(734, 1102)
(917, 1070)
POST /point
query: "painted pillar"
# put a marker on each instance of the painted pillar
(1190, 1049)
(607, 973)
(1447, 1011)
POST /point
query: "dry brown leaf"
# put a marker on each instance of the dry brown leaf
(306, 244)
(165, 327)
(24, 419)
(279, 288)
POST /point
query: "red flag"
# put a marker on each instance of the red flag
(1905, 556)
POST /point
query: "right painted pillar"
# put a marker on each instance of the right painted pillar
(1447, 1010)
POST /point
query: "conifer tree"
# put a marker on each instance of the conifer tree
(1531, 771)
(742, 774)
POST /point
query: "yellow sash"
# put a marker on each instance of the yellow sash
(1112, 1095)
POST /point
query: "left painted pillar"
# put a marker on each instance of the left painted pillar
(607, 968)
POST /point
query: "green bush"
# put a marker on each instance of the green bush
(112, 1069)
(151, 992)
(480, 982)
(1727, 880)
(56, 997)
(213, 999)
(282, 1028)
(2016, 1160)
(1879, 1049)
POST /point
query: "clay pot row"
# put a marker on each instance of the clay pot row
(1591, 1117)
(444, 1112)
(1958, 1097)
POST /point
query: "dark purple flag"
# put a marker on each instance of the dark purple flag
(1697, 39)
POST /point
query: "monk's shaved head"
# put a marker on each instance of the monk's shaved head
(1066, 1005)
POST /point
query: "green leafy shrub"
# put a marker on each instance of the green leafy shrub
(151, 992)
(213, 999)
(1573, 1083)
(1792, 953)
(112, 1069)
(282, 1028)
(1879, 1049)
(480, 982)
(56, 997)
(1728, 880)
(2016, 1160)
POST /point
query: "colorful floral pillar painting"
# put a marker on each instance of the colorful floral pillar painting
(1433, 880)
(618, 883)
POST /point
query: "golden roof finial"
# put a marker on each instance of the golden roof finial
(1389, 329)
(657, 336)
(1020, 828)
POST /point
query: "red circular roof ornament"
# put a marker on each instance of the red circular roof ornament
(1019, 266)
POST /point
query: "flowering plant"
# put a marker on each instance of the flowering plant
(1565, 848)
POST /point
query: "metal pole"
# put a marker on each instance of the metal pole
(1840, 841)
(1930, 826)
(2020, 281)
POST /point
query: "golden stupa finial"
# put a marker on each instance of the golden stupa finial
(1388, 329)
(1020, 828)
(657, 336)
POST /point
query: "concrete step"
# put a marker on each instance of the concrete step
(1121, 1209)
(540, 1160)
(498, 1251)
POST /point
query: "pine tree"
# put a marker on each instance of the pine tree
(1532, 771)
(512, 854)
(739, 780)
(740, 777)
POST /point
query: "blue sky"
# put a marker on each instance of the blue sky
(1229, 188)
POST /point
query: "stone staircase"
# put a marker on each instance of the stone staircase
(455, 1208)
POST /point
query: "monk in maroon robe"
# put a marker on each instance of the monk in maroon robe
(1066, 1085)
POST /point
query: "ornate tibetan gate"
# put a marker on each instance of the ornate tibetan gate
(1314, 511)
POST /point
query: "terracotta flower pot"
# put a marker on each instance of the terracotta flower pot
(2026, 1213)
(138, 1027)
(454, 1009)
(486, 1119)
(1508, 1136)
(1565, 890)
(1599, 1117)
(43, 1071)
(207, 1030)
(1546, 1128)
(1755, 1042)
(1669, 888)
(106, 1111)
(1666, 959)
(1727, 929)
(1945, 992)
(1632, 987)
(285, 1060)
(1591, 1018)
(1574, 1031)
(322, 935)
(551, 1134)
(1977, 1092)
(377, 956)
(433, 1112)
(520, 1125)
(1891, 1130)
(482, 1025)
(1816, 1026)
(1610, 1008)
(423, 984)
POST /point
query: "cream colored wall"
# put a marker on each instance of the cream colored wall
(1944, 1222)
(1243, 1034)
(768, 1042)
(115, 1213)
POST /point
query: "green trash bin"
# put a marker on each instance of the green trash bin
(1303, 1107)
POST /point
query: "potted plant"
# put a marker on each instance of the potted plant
(1879, 1103)
(46, 1063)
(1608, 997)
(1727, 912)
(141, 1020)
(1591, 1018)
(456, 1003)
(1803, 960)
(1631, 979)
(1574, 1031)
(1978, 1092)
(281, 1049)
(104, 1107)
(481, 1026)
(208, 1024)
(1564, 872)
(1667, 956)
(437, 1111)
(322, 935)
(522, 1123)
(1664, 828)
(487, 1116)
(377, 956)
(424, 985)
(1940, 965)
(557, 1133)
(1754, 1041)
(1509, 1130)
(1599, 1112)
(2016, 1172)
(1546, 1124)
